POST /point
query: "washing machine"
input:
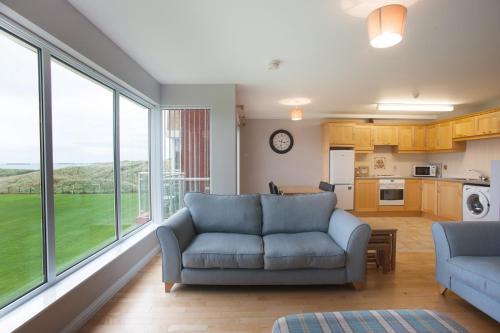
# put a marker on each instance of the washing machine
(476, 203)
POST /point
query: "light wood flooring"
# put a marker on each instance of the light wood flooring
(143, 307)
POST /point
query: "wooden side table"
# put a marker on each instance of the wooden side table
(383, 243)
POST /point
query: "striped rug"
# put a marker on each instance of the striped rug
(375, 321)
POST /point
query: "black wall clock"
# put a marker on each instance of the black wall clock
(281, 141)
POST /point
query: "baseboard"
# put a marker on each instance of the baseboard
(92, 309)
(388, 214)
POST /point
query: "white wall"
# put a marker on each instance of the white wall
(221, 98)
(61, 24)
(259, 164)
(478, 155)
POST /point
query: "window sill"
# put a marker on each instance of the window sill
(23, 313)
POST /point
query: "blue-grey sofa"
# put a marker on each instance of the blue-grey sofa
(262, 240)
(468, 262)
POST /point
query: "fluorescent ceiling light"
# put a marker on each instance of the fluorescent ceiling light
(414, 107)
(295, 101)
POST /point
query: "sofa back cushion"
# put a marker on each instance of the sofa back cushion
(297, 213)
(225, 213)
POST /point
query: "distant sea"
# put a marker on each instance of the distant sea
(36, 166)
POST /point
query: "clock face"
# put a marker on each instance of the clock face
(281, 141)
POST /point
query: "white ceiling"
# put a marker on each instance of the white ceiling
(450, 53)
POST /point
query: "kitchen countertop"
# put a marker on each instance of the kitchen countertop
(457, 180)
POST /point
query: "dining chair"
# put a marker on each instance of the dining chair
(324, 186)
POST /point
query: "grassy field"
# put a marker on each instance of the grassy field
(84, 224)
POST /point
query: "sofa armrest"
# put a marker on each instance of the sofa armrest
(175, 234)
(352, 235)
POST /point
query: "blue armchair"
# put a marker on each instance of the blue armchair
(468, 262)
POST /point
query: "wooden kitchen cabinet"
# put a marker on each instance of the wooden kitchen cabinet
(429, 196)
(487, 124)
(449, 200)
(385, 135)
(411, 138)
(464, 128)
(366, 195)
(444, 136)
(363, 137)
(413, 195)
(341, 134)
(431, 138)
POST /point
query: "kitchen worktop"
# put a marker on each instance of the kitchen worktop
(445, 179)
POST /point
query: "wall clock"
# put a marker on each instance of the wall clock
(281, 141)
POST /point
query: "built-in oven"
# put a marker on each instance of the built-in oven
(391, 192)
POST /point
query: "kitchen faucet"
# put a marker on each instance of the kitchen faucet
(482, 176)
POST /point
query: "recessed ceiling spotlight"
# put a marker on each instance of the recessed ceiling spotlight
(415, 107)
(274, 64)
(295, 101)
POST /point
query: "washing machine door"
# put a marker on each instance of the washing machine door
(477, 205)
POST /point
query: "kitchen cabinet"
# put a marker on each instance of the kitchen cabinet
(411, 138)
(385, 135)
(445, 136)
(449, 200)
(431, 137)
(464, 128)
(487, 124)
(440, 138)
(366, 195)
(363, 137)
(413, 195)
(429, 196)
(341, 134)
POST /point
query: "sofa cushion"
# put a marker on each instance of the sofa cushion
(480, 273)
(302, 250)
(219, 250)
(297, 213)
(225, 213)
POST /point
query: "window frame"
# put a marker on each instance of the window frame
(46, 51)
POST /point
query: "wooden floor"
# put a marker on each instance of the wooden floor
(143, 307)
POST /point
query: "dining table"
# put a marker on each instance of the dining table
(299, 189)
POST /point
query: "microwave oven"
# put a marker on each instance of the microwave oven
(425, 170)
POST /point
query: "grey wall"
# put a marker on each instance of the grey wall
(59, 22)
(259, 164)
(221, 98)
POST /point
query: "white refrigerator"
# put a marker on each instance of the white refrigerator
(342, 176)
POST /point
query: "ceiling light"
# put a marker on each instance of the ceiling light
(297, 114)
(274, 64)
(295, 101)
(415, 107)
(386, 25)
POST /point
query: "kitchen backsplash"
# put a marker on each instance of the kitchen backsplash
(384, 162)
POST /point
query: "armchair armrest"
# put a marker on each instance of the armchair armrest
(352, 235)
(174, 235)
(453, 239)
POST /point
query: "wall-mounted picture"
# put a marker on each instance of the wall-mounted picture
(379, 163)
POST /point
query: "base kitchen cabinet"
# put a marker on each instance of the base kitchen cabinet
(413, 195)
(429, 196)
(366, 195)
(449, 200)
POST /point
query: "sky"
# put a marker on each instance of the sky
(82, 113)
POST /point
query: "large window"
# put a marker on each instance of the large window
(21, 237)
(65, 194)
(186, 155)
(82, 118)
(134, 164)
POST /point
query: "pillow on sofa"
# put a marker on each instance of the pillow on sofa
(297, 213)
(225, 213)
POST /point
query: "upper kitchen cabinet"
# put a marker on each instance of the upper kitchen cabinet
(487, 124)
(340, 134)
(431, 138)
(440, 138)
(385, 135)
(411, 138)
(463, 128)
(363, 137)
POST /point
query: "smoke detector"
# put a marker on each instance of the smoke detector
(274, 64)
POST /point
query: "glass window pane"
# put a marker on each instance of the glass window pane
(21, 239)
(134, 164)
(82, 117)
(186, 155)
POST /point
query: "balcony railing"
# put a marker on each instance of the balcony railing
(175, 185)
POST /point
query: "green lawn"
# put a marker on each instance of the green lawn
(84, 224)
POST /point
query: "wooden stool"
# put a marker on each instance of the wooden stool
(382, 249)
